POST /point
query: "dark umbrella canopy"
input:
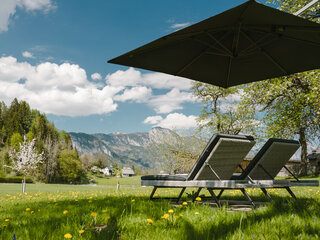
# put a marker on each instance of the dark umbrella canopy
(248, 43)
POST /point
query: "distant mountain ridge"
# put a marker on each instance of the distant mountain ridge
(123, 148)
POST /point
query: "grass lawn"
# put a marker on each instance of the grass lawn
(56, 211)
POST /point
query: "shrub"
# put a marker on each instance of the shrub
(14, 180)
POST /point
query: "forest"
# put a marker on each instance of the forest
(60, 161)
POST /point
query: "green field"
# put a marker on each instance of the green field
(56, 211)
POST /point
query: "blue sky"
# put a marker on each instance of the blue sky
(54, 55)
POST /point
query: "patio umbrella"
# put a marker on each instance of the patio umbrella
(248, 43)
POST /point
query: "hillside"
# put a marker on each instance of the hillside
(123, 148)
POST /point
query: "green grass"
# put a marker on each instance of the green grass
(123, 214)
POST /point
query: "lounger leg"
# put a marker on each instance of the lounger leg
(220, 193)
(214, 196)
(291, 193)
(180, 195)
(197, 194)
(248, 197)
(152, 193)
(266, 193)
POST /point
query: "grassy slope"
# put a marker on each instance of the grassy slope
(130, 208)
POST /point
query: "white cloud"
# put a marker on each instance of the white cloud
(137, 94)
(96, 76)
(132, 78)
(58, 89)
(173, 121)
(8, 9)
(153, 120)
(180, 25)
(27, 54)
(171, 101)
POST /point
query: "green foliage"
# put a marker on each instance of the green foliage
(14, 179)
(15, 141)
(221, 110)
(69, 166)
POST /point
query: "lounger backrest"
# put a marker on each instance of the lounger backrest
(223, 153)
(271, 159)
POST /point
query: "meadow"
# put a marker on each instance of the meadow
(54, 211)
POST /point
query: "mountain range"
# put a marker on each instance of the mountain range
(125, 149)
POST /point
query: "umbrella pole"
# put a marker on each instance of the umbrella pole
(310, 4)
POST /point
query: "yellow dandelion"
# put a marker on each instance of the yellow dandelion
(65, 211)
(90, 201)
(81, 231)
(104, 210)
(76, 200)
(32, 212)
(149, 221)
(94, 214)
(170, 211)
(38, 210)
(180, 206)
(198, 198)
(196, 213)
(165, 216)
(27, 209)
(184, 203)
(176, 217)
(7, 220)
(67, 235)
(133, 200)
(106, 219)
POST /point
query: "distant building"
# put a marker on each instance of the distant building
(127, 172)
(107, 171)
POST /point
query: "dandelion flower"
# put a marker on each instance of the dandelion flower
(196, 213)
(165, 216)
(106, 219)
(170, 211)
(184, 203)
(176, 217)
(94, 214)
(67, 235)
(81, 231)
(104, 210)
(90, 201)
(198, 198)
(32, 212)
(65, 211)
(7, 220)
(133, 200)
(27, 209)
(149, 221)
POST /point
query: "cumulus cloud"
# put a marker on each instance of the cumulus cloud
(27, 54)
(96, 76)
(132, 78)
(137, 94)
(173, 121)
(58, 89)
(171, 101)
(8, 9)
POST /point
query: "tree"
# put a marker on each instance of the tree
(221, 111)
(69, 166)
(291, 104)
(26, 159)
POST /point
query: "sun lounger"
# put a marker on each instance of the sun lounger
(267, 164)
(217, 162)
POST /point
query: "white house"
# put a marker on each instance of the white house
(127, 172)
(107, 171)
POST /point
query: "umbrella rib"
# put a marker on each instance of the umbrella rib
(220, 44)
(229, 71)
(253, 45)
(210, 45)
(266, 54)
(190, 63)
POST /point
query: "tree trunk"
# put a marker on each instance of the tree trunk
(24, 184)
(304, 152)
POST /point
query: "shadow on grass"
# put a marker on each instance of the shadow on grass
(284, 207)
